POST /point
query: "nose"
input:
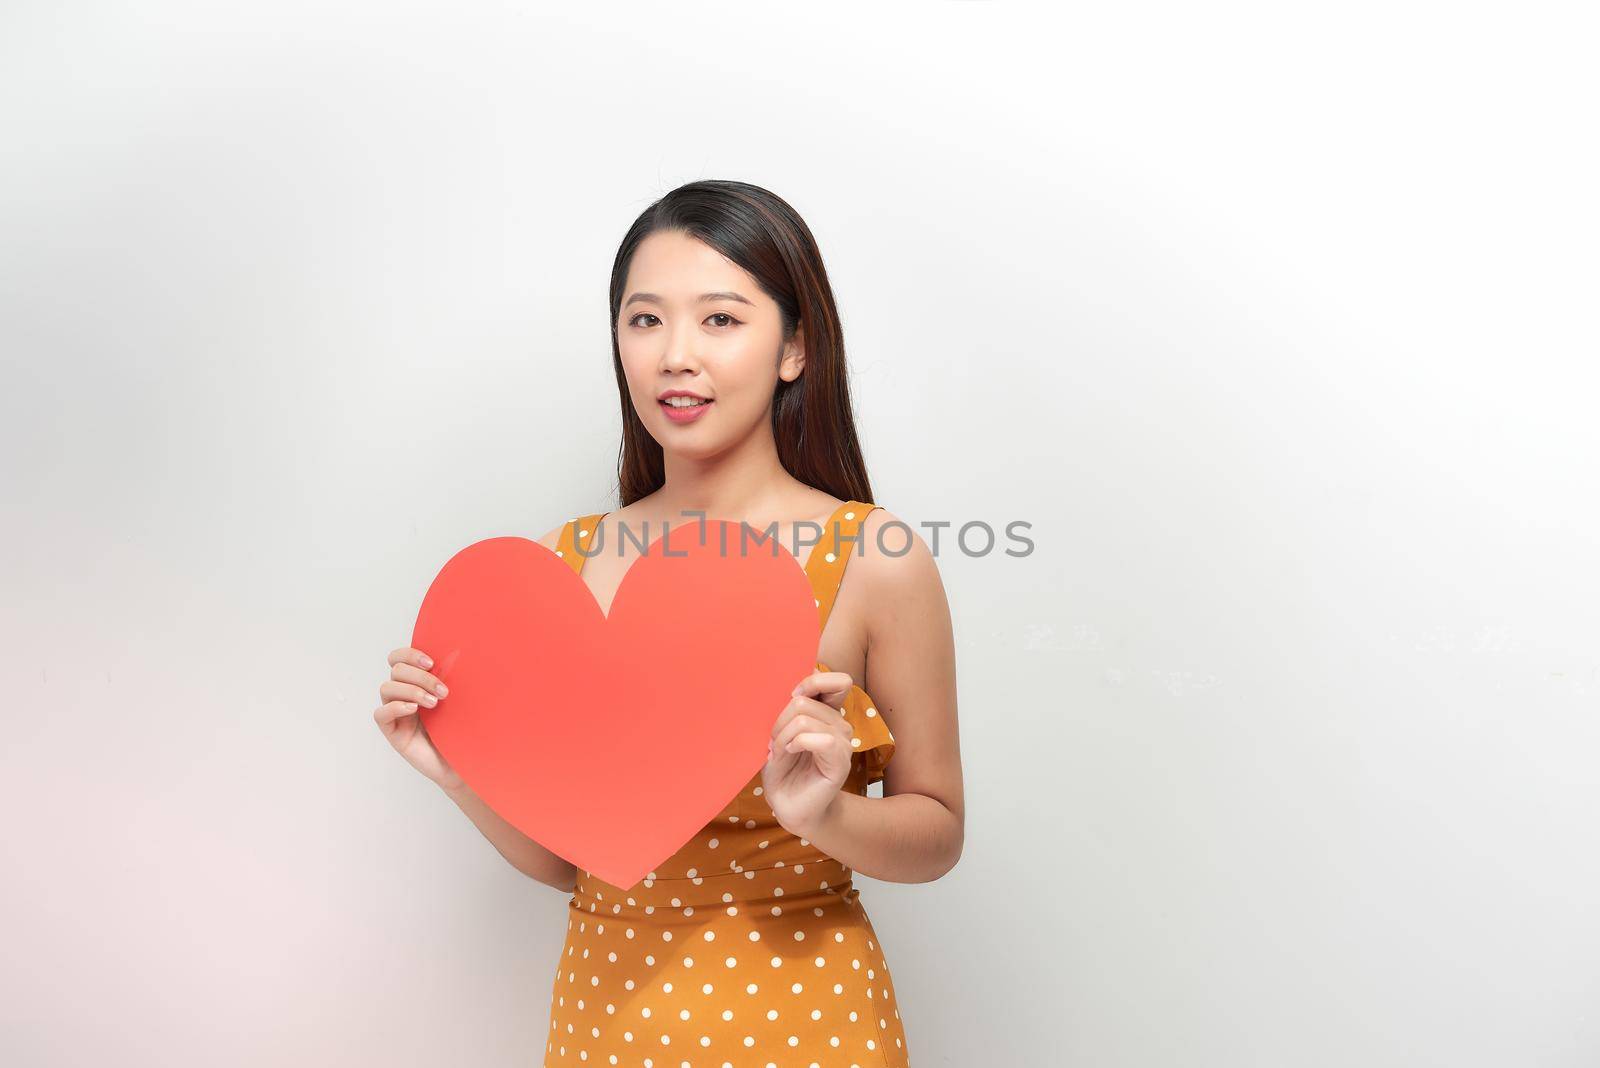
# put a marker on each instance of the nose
(678, 355)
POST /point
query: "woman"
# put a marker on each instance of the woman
(749, 946)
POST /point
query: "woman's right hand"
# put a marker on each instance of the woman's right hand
(409, 684)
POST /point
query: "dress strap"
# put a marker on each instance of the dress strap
(575, 537)
(826, 563)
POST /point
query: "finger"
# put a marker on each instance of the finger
(804, 706)
(405, 691)
(808, 724)
(813, 742)
(404, 672)
(387, 713)
(408, 655)
(829, 687)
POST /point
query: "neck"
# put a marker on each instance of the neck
(744, 482)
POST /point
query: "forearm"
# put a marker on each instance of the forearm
(520, 851)
(904, 838)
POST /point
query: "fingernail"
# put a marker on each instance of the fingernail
(427, 661)
(429, 700)
(442, 691)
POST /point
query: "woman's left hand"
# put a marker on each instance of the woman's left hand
(808, 757)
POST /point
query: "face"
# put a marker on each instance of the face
(693, 321)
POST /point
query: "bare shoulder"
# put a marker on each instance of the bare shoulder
(892, 552)
(898, 572)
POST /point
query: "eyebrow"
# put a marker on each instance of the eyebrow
(702, 299)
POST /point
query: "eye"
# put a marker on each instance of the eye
(731, 321)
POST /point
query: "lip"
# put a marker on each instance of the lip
(683, 415)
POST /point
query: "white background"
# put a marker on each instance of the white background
(1277, 324)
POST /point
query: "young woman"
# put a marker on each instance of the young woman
(749, 946)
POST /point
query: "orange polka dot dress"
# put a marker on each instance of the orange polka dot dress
(746, 947)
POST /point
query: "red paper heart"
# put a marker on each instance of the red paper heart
(611, 740)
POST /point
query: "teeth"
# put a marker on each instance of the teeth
(683, 402)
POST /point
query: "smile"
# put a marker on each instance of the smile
(684, 409)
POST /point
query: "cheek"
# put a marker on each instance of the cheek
(750, 372)
(638, 369)
(631, 352)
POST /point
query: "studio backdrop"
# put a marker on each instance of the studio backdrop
(1240, 360)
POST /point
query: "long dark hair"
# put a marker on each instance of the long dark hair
(812, 422)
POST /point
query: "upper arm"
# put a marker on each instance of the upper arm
(911, 660)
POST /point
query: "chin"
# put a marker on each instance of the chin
(697, 451)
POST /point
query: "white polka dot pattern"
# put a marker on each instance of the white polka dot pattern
(749, 946)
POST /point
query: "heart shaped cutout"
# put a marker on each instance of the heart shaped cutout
(611, 740)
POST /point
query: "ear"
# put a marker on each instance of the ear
(793, 358)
